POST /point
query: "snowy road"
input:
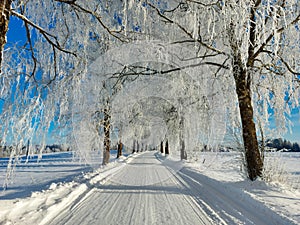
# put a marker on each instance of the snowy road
(145, 191)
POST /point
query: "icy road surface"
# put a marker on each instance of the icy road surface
(146, 191)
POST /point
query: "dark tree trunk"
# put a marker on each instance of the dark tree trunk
(137, 146)
(183, 154)
(133, 147)
(162, 147)
(252, 153)
(27, 148)
(167, 148)
(242, 76)
(4, 20)
(106, 123)
(120, 147)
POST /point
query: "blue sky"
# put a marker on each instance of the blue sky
(17, 33)
(295, 135)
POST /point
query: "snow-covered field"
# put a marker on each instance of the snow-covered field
(148, 188)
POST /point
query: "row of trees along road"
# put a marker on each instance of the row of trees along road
(250, 46)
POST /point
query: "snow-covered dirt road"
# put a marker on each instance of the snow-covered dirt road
(146, 191)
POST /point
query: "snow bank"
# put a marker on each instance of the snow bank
(44, 205)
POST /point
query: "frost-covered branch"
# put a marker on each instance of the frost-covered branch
(28, 35)
(185, 31)
(145, 71)
(288, 66)
(45, 34)
(203, 4)
(67, 1)
(270, 37)
(94, 14)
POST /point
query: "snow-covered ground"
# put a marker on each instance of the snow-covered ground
(281, 194)
(148, 188)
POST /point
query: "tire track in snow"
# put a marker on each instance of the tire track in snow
(143, 192)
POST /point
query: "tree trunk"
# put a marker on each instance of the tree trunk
(162, 147)
(120, 147)
(241, 73)
(137, 146)
(252, 154)
(183, 154)
(167, 148)
(4, 20)
(106, 152)
(133, 147)
(27, 148)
